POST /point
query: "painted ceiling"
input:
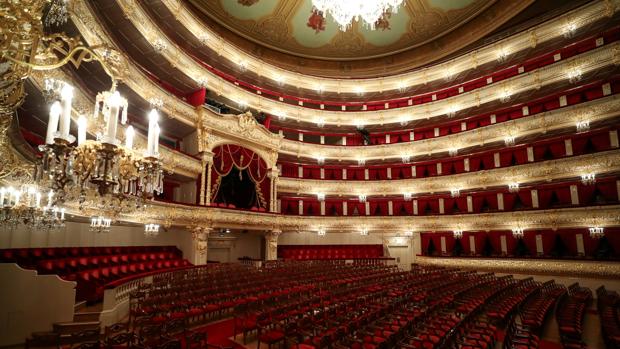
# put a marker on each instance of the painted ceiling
(294, 27)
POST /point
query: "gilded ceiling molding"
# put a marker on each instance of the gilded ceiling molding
(216, 129)
(572, 268)
(174, 107)
(544, 32)
(597, 110)
(168, 214)
(570, 167)
(585, 62)
(172, 160)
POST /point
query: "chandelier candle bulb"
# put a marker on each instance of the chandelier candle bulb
(153, 136)
(81, 130)
(52, 124)
(65, 120)
(50, 196)
(129, 134)
(113, 117)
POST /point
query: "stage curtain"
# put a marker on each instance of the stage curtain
(228, 155)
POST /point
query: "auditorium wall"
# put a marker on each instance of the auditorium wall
(399, 247)
(78, 234)
(231, 247)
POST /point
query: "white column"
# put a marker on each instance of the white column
(273, 176)
(271, 244)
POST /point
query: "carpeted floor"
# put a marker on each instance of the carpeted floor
(219, 332)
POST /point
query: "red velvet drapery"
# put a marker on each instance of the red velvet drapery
(228, 155)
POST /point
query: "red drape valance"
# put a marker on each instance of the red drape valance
(228, 155)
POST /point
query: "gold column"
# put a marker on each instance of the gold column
(202, 180)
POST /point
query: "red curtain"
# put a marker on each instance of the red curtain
(226, 156)
(197, 97)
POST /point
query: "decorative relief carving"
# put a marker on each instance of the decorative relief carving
(522, 41)
(601, 109)
(594, 59)
(605, 162)
(537, 267)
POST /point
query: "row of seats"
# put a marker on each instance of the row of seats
(330, 251)
(29, 257)
(570, 315)
(608, 304)
(94, 267)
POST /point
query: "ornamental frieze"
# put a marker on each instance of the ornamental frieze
(539, 34)
(597, 110)
(586, 62)
(596, 269)
(183, 215)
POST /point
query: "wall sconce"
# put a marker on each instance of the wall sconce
(509, 141)
(588, 178)
(582, 126)
(518, 233)
(364, 232)
(321, 232)
(569, 30)
(409, 233)
(320, 160)
(502, 54)
(361, 162)
(505, 95)
(407, 196)
(455, 193)
(574, 75)
(513, 187)
(359, 90)
(596, 232)
(320, 122)
(320, 196)
(458, 234)
(405, 158)
(453, 151)
(452, 110)
(362, 197)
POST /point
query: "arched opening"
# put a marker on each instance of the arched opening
(238, 189)
(239, 178)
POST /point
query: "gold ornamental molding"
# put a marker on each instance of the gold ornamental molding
(542, 33)
(585, 62)
(168, 214)
(175, 107)
(572, 268)
(172, 160)
(216, 129)
(570, 167)
(598, 110)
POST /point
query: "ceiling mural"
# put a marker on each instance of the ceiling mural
(294, 27)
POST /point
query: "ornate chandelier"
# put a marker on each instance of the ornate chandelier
(345, 12)
(102, 172)
(23, 207)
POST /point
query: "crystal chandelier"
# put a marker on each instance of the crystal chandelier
(102, 172)
(23, 207)
(345, 12)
